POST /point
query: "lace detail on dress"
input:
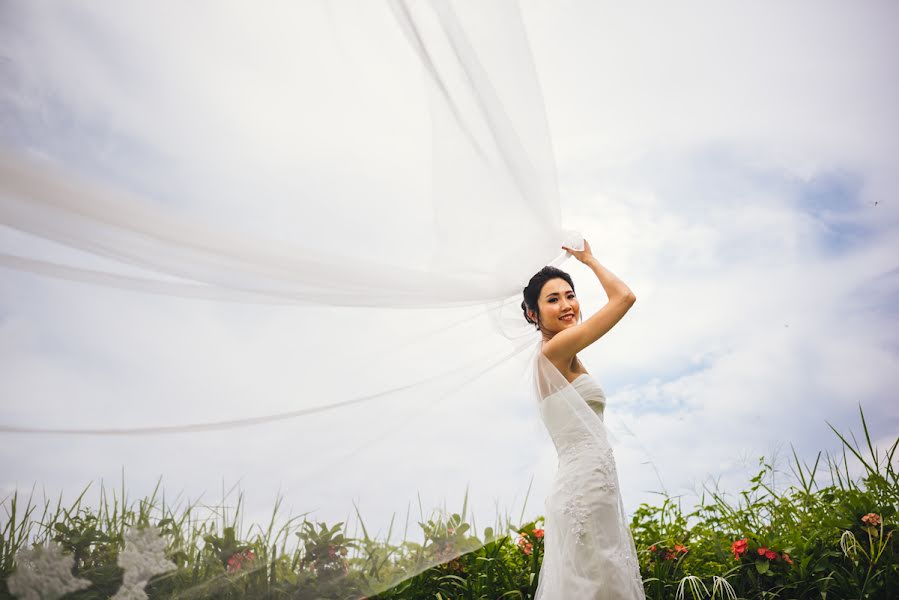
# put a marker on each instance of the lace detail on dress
(604, 480)
(573, 506)
(600, 456)
(605, 466)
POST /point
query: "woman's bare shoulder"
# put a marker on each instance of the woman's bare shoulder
(566, 365)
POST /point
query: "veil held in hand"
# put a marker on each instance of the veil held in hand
(209, 253)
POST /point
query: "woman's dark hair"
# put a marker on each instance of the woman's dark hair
(535, 286)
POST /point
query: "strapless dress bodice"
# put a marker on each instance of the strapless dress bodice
(591, 392)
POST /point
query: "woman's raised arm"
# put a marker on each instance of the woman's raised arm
(568, 342)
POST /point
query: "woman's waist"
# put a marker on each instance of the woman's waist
(571, 448)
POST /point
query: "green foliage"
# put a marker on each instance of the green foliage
(812, 541)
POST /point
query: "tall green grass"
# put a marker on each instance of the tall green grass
(816, 539)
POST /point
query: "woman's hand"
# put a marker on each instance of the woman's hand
(584, 255)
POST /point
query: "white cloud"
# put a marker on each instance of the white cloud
(686, 140)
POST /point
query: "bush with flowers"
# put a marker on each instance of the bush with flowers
(810, 540)
(662, 553)
(528, 538)
(325, 550)
(763, 565)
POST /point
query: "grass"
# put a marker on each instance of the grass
(812, 540)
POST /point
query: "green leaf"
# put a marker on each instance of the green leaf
(761, 565)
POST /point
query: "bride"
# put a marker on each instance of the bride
(589, 552)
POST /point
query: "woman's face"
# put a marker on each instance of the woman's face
(559, 307)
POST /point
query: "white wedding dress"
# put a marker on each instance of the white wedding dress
(589, 551)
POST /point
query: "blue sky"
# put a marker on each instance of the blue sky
(724, 161)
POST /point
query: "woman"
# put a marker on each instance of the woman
(589, 551)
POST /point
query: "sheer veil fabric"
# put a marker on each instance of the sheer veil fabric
(285, 231)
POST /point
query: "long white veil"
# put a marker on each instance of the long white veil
(309, 225)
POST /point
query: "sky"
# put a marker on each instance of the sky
(732, 163)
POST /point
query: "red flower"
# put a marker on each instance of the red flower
(652, 548)
(787, 558)
(669, 554)
(762, 550)
(239, 559)
(739, 548)
(770, 554)
(680, 548)
(538, 533)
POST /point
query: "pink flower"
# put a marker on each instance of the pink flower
(525, 545)
(872, 519)
(787, 558)
(538, 533)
